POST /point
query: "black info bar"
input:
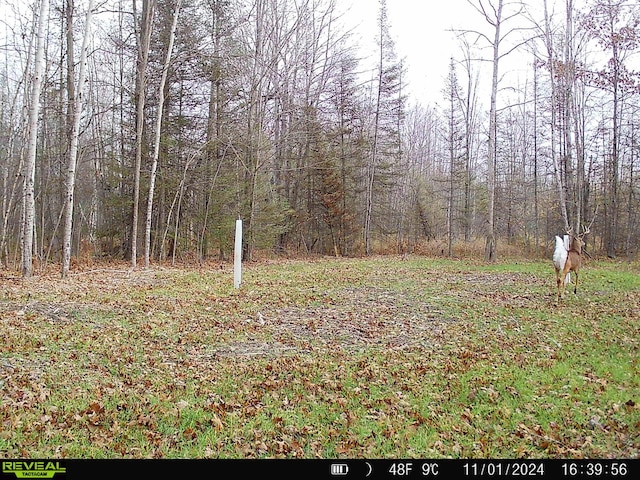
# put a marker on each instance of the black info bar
(322, 469)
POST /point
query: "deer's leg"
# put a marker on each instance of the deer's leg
(575, 287)
(565, 271)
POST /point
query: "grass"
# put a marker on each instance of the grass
(376, 358)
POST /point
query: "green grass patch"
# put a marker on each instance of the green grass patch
(375, 358)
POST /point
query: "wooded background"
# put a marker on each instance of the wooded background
(152, 125)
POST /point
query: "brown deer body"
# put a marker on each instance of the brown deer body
(572, 264)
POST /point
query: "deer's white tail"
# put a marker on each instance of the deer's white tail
(560, 256)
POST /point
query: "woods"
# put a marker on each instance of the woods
(194, 114)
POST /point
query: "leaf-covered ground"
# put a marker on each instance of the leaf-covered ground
(329, 358)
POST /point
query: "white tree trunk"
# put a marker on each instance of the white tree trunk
(158, 129)
(73, 148)
(490, 248)
(143, 58)
(30, 164)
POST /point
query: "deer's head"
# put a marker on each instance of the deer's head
(577, 241)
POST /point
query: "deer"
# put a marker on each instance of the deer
(560, 254)
(566, 261)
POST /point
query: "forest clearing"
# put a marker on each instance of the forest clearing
(379, 357)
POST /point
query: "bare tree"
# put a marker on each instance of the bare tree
(614, 25)
(157, 132)
(77, 103)
(469, 110)
(30, 163)
(548, 38)
(144, 41)
(11, 190)
(492, 12)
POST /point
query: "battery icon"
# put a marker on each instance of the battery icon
(339, 469)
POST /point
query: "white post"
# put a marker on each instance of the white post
(237, 256)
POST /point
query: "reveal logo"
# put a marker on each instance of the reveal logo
(34, 469)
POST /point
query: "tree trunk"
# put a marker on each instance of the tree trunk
(554, 96)
(452, 93)
(157, 133)
(141, 84)
(536, 207)
(30, 164)
(214, 126)
(490, 253)
(77, 103)
(614, 179)
(372, 166)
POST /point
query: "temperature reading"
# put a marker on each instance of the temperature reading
(429, 469)
(401, 469)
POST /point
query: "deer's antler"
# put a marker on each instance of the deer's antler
(586, 230)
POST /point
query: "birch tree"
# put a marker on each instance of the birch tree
(157, 133)
(12, 190)
(77, 103)
(144, 42)
(30, 163)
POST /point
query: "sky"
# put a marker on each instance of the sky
(421, 30)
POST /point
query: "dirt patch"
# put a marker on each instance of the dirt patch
(58, 312)
(358, 319)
